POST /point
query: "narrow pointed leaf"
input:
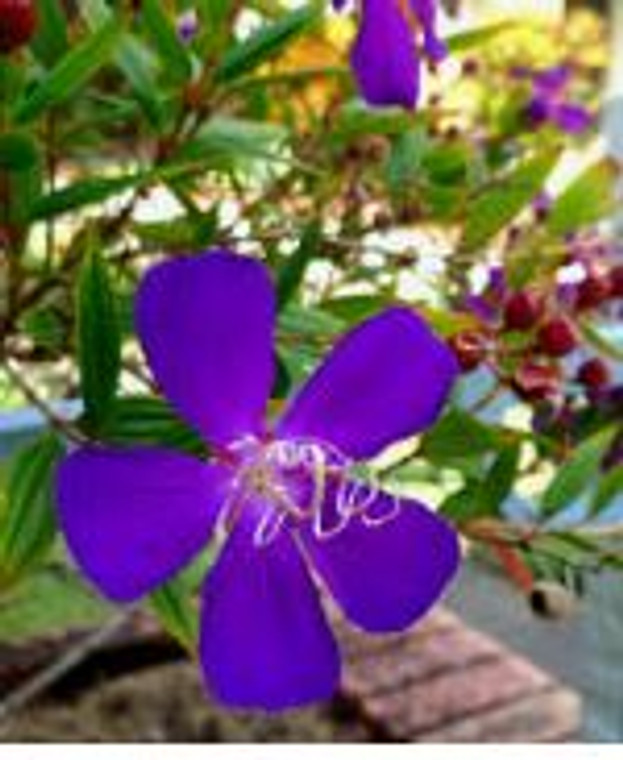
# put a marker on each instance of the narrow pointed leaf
(266, 43)
(27, 524)
(293, 271)
(71, 73)
(98, 339)
(577, 474)
(163, 33)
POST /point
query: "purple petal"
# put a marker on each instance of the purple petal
(426, 13)
(571, 118)
(498, 282)
(567, 294)
(486, 305)
(553, 81)
(188, 25)
(388, 575)
(206, 324)
(339, 5)
(264, 639)
(384, 56)
(538, 111)
(481, 307)
(521, 72)
(134, 518)
(434, 47)
(384, 381)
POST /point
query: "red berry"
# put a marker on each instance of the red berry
(470, 348)
(523, 310)
(557, 337)
(616, 281)
(593, 291)
(470, 67)
(594, 373)
(536, 382)
(18, 20)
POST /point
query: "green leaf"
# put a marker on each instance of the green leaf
(19, 151)
(292, 272)
(21, 175)
(609, 489)
(577, 474)
(48, 603)
(149, 420)
(137, 64)
(266, 43)
(463, 505)
(226, 142)
(477, 38)
(215, 14)
(46, 327)
(27, 524)
(589, 199)
(355, 120)
(50, 42)
(447, 165)
(499, 481)
(405, 160)
(162, 31)
(71, 73)
(191, 232)
(98, 338)
(353, 309)
(459, 436)
(172, 603)
(497, 206)
(484, 497)
(303, 321)
(82, 193)
(605, 341)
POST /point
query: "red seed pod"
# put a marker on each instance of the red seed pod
(18, 21)
(470, 348)
(557, 337)
(594, 373)
(616, 281)
(523, 310)
(593, 291)
(536, 382)
(471, 67)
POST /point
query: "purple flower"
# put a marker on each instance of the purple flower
(487, 304)
(188, 26)
(284, 502)
(386, 53)
(549, 102)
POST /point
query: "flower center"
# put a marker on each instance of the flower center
(297, 481)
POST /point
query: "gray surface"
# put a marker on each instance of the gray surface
(22, 425)
(585, 650)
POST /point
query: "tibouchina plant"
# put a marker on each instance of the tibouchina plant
(282, 499)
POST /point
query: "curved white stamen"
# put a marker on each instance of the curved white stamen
(275, 472)
(269, 527)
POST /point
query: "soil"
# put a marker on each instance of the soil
(167, 704)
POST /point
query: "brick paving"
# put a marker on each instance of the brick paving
(440, 682)
(445, 682)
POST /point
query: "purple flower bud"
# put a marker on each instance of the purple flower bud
(188, 25)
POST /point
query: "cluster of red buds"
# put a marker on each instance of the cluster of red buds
(18, 21)
(523, 335)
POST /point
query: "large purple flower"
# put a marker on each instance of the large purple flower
(385, 57)
(284, 502)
